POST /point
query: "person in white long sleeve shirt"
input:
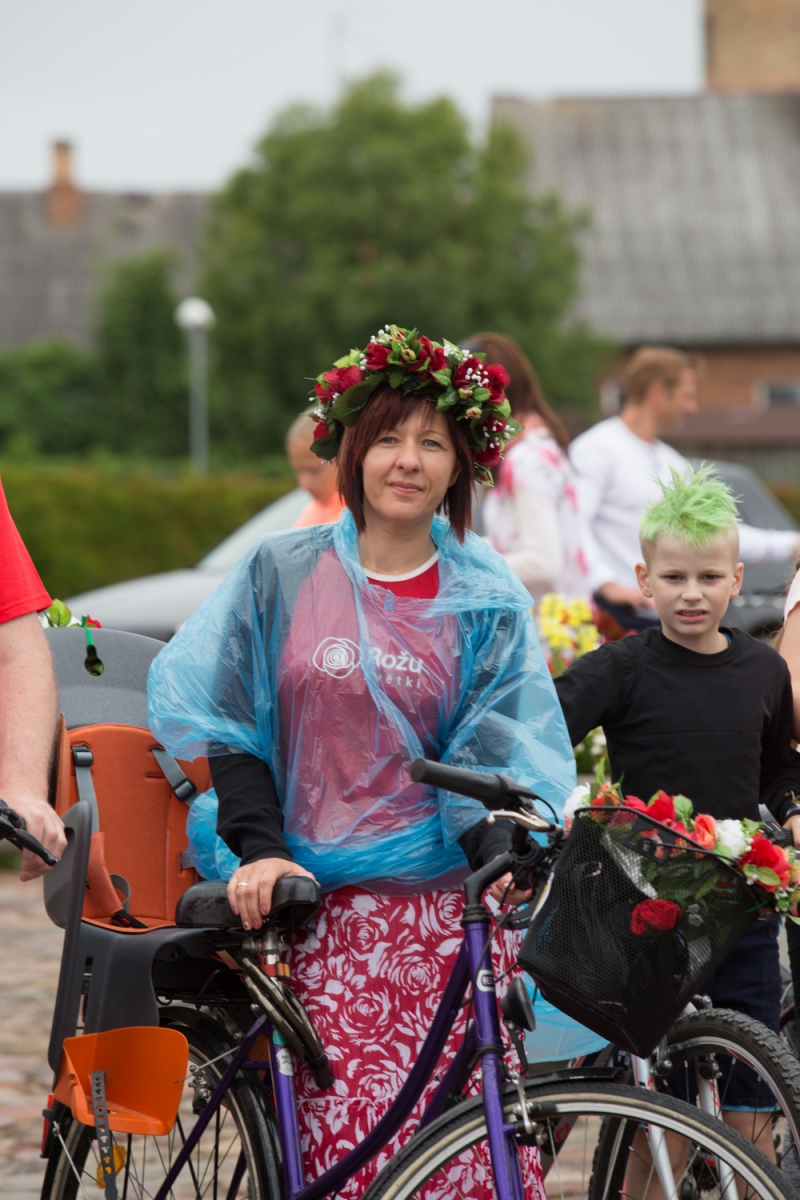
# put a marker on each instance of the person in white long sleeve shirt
(619, 462)
(532, 515)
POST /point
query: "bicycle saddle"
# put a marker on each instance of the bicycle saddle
(295, 900)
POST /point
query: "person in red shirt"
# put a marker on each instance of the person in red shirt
(27, 696)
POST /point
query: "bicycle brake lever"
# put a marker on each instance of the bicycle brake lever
(528, 820)
(19, 837)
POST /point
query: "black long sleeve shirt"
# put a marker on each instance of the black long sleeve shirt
(713, 727)
(250, 819)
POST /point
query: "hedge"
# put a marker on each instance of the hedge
(86, 526)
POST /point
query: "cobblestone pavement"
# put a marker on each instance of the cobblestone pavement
(30, 951)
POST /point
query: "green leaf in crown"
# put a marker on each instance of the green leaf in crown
(451, 378)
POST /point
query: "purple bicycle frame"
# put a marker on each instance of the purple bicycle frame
(483, 1039)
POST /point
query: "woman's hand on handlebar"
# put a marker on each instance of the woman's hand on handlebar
(43, 823)
(250, 889)
(504, 892)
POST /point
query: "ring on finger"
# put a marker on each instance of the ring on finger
(241, 885)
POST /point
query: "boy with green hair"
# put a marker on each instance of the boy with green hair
(703, 711)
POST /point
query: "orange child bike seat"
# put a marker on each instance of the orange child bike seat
(145, 1068)
(142, 822)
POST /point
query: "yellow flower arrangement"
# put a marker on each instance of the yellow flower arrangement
(567, 629)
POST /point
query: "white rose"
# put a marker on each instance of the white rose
(578, 799)
(730, 838)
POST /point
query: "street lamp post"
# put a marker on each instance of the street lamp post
(196, 317)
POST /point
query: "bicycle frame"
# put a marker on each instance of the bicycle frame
(483, 1041)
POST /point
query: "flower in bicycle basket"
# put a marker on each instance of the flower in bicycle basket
(705, 831)
(635, 802)
(654, 916)
(767, 863)
(662, 807)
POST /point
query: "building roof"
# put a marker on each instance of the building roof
(695, 209)
(743, 426)
(50, 274)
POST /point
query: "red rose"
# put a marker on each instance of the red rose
(424, 354)
(320, 430)
(654, 915)
(471, 364)
(499, 379)
(488, 458)
(606, 795)
(495, 425)
(377, 356)
(661, 807)
(338, 380)
(762, 853)
(90, 621)
(635, 802)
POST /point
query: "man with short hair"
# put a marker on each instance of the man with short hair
(619, 462)
(317, 476)
(27, 696)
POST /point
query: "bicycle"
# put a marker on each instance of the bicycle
(245, 1140)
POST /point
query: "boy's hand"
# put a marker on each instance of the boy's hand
(793, 824)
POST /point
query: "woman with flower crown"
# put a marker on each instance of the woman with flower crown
(326, 662)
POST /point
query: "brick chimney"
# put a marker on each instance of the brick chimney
(753, 45)
(63, 200)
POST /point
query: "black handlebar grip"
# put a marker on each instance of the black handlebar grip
(778, 835)
(492, 790)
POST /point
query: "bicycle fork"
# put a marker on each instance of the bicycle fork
(709, 1102)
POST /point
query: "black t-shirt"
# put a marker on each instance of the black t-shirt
(713, 727)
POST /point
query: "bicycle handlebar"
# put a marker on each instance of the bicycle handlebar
(495, 791)
(13, 829)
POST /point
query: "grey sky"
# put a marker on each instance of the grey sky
(162, 94)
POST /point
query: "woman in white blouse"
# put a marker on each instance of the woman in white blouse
(532, 516)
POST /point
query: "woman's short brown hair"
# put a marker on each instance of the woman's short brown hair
(524, 392)
(386, 409)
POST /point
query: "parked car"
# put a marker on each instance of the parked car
(158, 605)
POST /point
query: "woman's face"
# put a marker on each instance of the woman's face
(408, 469)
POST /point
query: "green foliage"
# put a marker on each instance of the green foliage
(50, 401)
(88, 526)
(141, 359)
(375, 212)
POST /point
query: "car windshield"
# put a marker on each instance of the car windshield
(272, 519)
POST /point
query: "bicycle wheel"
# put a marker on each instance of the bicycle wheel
(239, 1146)
(450, 1159)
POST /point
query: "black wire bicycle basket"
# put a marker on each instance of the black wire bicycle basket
(631, 924)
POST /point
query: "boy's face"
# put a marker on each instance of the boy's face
(690, 587)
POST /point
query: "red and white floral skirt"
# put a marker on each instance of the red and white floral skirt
(371, 977)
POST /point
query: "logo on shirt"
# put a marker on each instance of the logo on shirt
(337, 657)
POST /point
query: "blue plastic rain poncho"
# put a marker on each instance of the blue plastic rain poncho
(338, 685)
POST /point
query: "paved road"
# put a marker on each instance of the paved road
(30, 950)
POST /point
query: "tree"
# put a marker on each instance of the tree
(50, 401)
(382, 212)
(141, 358)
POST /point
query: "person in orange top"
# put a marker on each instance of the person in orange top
(314, 474)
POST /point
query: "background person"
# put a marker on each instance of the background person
(620, 462)
(325, 662)
(27, 696)
(532, 514)
(314, 474)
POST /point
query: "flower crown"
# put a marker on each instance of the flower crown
(454, 380)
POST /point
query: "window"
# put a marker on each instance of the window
(779, 393)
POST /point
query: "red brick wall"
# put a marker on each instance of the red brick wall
(753, 45)
(731, 377)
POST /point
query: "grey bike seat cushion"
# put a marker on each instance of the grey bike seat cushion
(295, 900)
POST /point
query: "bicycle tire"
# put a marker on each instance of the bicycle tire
(245, 1117)
(741, 1040)
(421, 1168)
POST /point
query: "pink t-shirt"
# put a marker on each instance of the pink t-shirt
(344, 753)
